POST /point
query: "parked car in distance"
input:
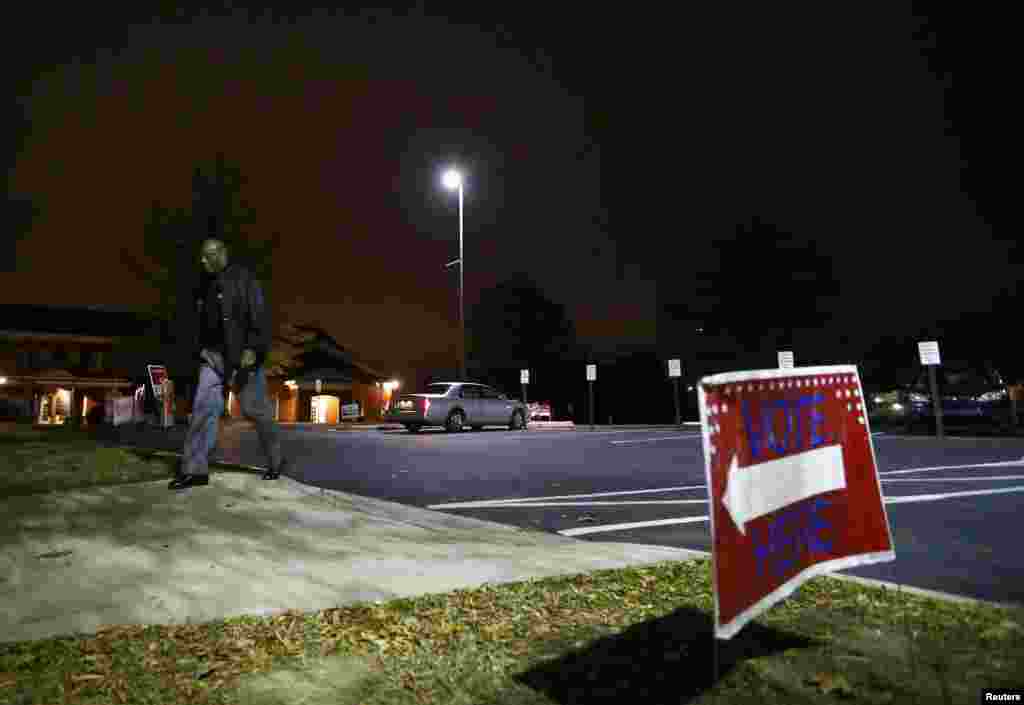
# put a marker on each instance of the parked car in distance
(540, 411)
(970, 393)
(884, 392)
(456, 405)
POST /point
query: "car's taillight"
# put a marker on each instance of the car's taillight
(426, 406)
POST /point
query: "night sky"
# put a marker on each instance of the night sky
(612, 156)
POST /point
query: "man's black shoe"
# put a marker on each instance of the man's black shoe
(274, 474)
(183, 481)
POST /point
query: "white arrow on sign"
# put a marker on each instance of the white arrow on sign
(761, 489)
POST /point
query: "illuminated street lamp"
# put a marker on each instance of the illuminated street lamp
(452, 180)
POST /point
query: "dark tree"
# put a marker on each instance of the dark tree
(515, 324)
(766, 284)
(20, 210)
(171, 241)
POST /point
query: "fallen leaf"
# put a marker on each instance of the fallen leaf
(87, 677)
(831, 682)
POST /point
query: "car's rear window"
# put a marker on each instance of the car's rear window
(436, 388)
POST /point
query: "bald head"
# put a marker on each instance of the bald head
(213, 255)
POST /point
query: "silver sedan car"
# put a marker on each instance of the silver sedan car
(456, 405)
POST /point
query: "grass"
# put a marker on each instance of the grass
(639, 635)
(34, 460)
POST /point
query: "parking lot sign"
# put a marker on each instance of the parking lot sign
(157, 374)
(785, 359)
(524, 376)
(591, 373)
(674, 368)
(929, 352)
(793, 484)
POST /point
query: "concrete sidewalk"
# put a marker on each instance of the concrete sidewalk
(141, 554)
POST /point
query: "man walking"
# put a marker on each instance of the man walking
(234, 338)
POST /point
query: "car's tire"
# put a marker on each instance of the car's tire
(412, 427)
(517, 423)
(454, 422)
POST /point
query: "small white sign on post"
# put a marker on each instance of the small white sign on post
(319, 386)
(675, 369)
(785, 359)
(929, 352)
(524, 376)
(591, 373)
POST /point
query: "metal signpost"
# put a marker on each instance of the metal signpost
(157, 375)
(929, 352)
(591, 378)
(524, 379)
(167, 405)
(675, 371)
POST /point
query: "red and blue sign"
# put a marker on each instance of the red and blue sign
(792, 481)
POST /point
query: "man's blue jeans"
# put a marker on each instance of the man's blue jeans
(207, 409)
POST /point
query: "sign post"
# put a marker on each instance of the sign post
(591, 378)
(675, 371)
(524, 379)
(793, 484)
(156, 375)
(929, 352)
(167, 406)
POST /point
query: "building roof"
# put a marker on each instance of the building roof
(321, 351)
(326, 374)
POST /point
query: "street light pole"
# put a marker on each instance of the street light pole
(462, 310)
(452, 179)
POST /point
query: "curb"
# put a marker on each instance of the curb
(920, 592)
(220, 465)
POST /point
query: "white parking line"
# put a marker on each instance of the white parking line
(686, 437)
(580, 531)
(952, 479)
(948, 495)
(577, 432)
(547, 498)
(584, 433)
(517, 505)
(999, 464)
(897, 437)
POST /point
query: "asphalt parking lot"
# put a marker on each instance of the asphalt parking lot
(954, 505)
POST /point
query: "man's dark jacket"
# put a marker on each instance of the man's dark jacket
(246, 320)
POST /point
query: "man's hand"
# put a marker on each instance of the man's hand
(248, 358)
